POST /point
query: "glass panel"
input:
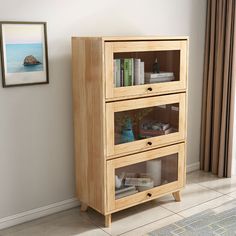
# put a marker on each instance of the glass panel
(145, 175)
(146, 122)
(136, 68)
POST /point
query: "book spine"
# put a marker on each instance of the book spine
(118, 73)
(114, 72)
(130, 71)
(126, 72)
(121, 72)
(137, 71)
(142, 72)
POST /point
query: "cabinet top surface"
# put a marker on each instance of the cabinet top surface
(135, 38)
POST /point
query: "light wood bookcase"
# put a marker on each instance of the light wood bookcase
(103, 151)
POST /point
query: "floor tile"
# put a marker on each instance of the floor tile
(233, 194)
(200, 177)
(63, 224)
(222, 185)
(153, 226)
(224, 207)
(131, 218)
(192, 195)
(207, 205)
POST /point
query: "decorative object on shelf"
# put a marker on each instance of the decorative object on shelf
(24, 53)
(127, 134)
(119, 180)
(154, 170)
(156, 67)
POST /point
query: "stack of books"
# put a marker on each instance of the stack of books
(151, 78)
(151, 129)
(125, 191)
(128, 72)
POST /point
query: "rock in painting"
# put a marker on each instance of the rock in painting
(31, 61)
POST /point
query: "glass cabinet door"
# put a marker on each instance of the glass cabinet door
(138, 68)
(146, 174)
(144, 123)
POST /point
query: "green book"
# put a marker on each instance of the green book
(126, 72)
(131, 71)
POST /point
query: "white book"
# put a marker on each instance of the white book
(125, 189)
(150, 75)
(132, 64)
(114, 72)
(137, 71)
(125, 194)
(117, 72)
(159, 80)
(142, 72)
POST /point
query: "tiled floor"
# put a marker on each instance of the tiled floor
(203, 191)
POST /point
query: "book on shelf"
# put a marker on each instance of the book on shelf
(137, 71)
(125, 194)
(142, 72)
(128, 72)
(137, 181)
(124, 189)
(152, 133)
(159, 77)
(117, 73)
(114, 72)
(121, 72)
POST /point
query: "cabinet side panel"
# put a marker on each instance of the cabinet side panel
(88, 102)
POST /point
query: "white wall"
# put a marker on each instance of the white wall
(36, 133)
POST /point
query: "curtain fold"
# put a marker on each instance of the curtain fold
(218, 89)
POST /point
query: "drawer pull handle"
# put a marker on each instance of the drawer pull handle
(149, 194)
(149, 143)
(149, 89)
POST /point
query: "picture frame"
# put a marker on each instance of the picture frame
(24, 53)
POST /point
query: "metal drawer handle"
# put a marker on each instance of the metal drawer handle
(149, 194)
(149, 89)
(149, 143)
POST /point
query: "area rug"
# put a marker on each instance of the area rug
(209, 222)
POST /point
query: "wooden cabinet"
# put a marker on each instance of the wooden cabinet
(129, 136)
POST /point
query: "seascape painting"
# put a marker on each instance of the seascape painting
(24, 53)
(17, 55)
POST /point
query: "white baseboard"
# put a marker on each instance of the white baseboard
(37, 213)
(193, 167)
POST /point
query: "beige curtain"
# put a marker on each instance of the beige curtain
(218, 89)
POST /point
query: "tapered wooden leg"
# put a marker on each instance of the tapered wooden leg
(83, 207)
(177, 196)
(108, 220)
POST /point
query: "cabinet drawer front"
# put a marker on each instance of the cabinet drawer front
(167, 57)
(142, 124)
(141, 177)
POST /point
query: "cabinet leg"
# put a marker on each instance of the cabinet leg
(108, 220)
(83, 207)
(177, 196)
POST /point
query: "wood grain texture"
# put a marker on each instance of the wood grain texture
(88, 104)
(177, 196)
(108, 220)
(141, 145)
(142, 50)
(95, 101)
(115, 205)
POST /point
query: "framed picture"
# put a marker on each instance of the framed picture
(24, 55)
